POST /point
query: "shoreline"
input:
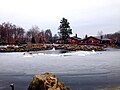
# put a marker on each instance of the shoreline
(39, 47)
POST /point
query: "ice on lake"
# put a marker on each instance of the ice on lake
(79, 62)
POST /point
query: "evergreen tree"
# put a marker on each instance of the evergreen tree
(33, 40)
(65, 30)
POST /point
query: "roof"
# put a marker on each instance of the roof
(91, 37)
(105, 39)
(96, 38)
(75, 38)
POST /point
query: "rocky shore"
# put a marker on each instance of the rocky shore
(47, 81)
(24, 48)
(38, 47)
(76, 47)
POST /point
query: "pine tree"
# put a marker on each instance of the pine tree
(65, 30)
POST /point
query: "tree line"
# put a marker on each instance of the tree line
(115, 36)
(12, 34)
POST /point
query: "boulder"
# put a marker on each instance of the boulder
(47, 81)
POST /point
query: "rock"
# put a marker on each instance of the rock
(47, 81)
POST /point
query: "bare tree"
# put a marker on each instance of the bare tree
(48, 35)
(100, 34)
(8, 33)
(33, 33)
(42, 37)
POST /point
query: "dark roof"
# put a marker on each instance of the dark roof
(91, 37)
(75, 38)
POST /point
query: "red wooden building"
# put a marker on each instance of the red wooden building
(96, 41)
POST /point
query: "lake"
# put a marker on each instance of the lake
(80, 70)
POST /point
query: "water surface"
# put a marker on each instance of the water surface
(81, 70)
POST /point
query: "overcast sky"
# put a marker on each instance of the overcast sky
(84, 16)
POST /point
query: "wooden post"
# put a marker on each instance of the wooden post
(12, 86)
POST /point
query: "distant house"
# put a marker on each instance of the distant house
(90, 40)
(95, 41)
(86, 41)
(106, 41)
(70, 40)
(74, 40)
